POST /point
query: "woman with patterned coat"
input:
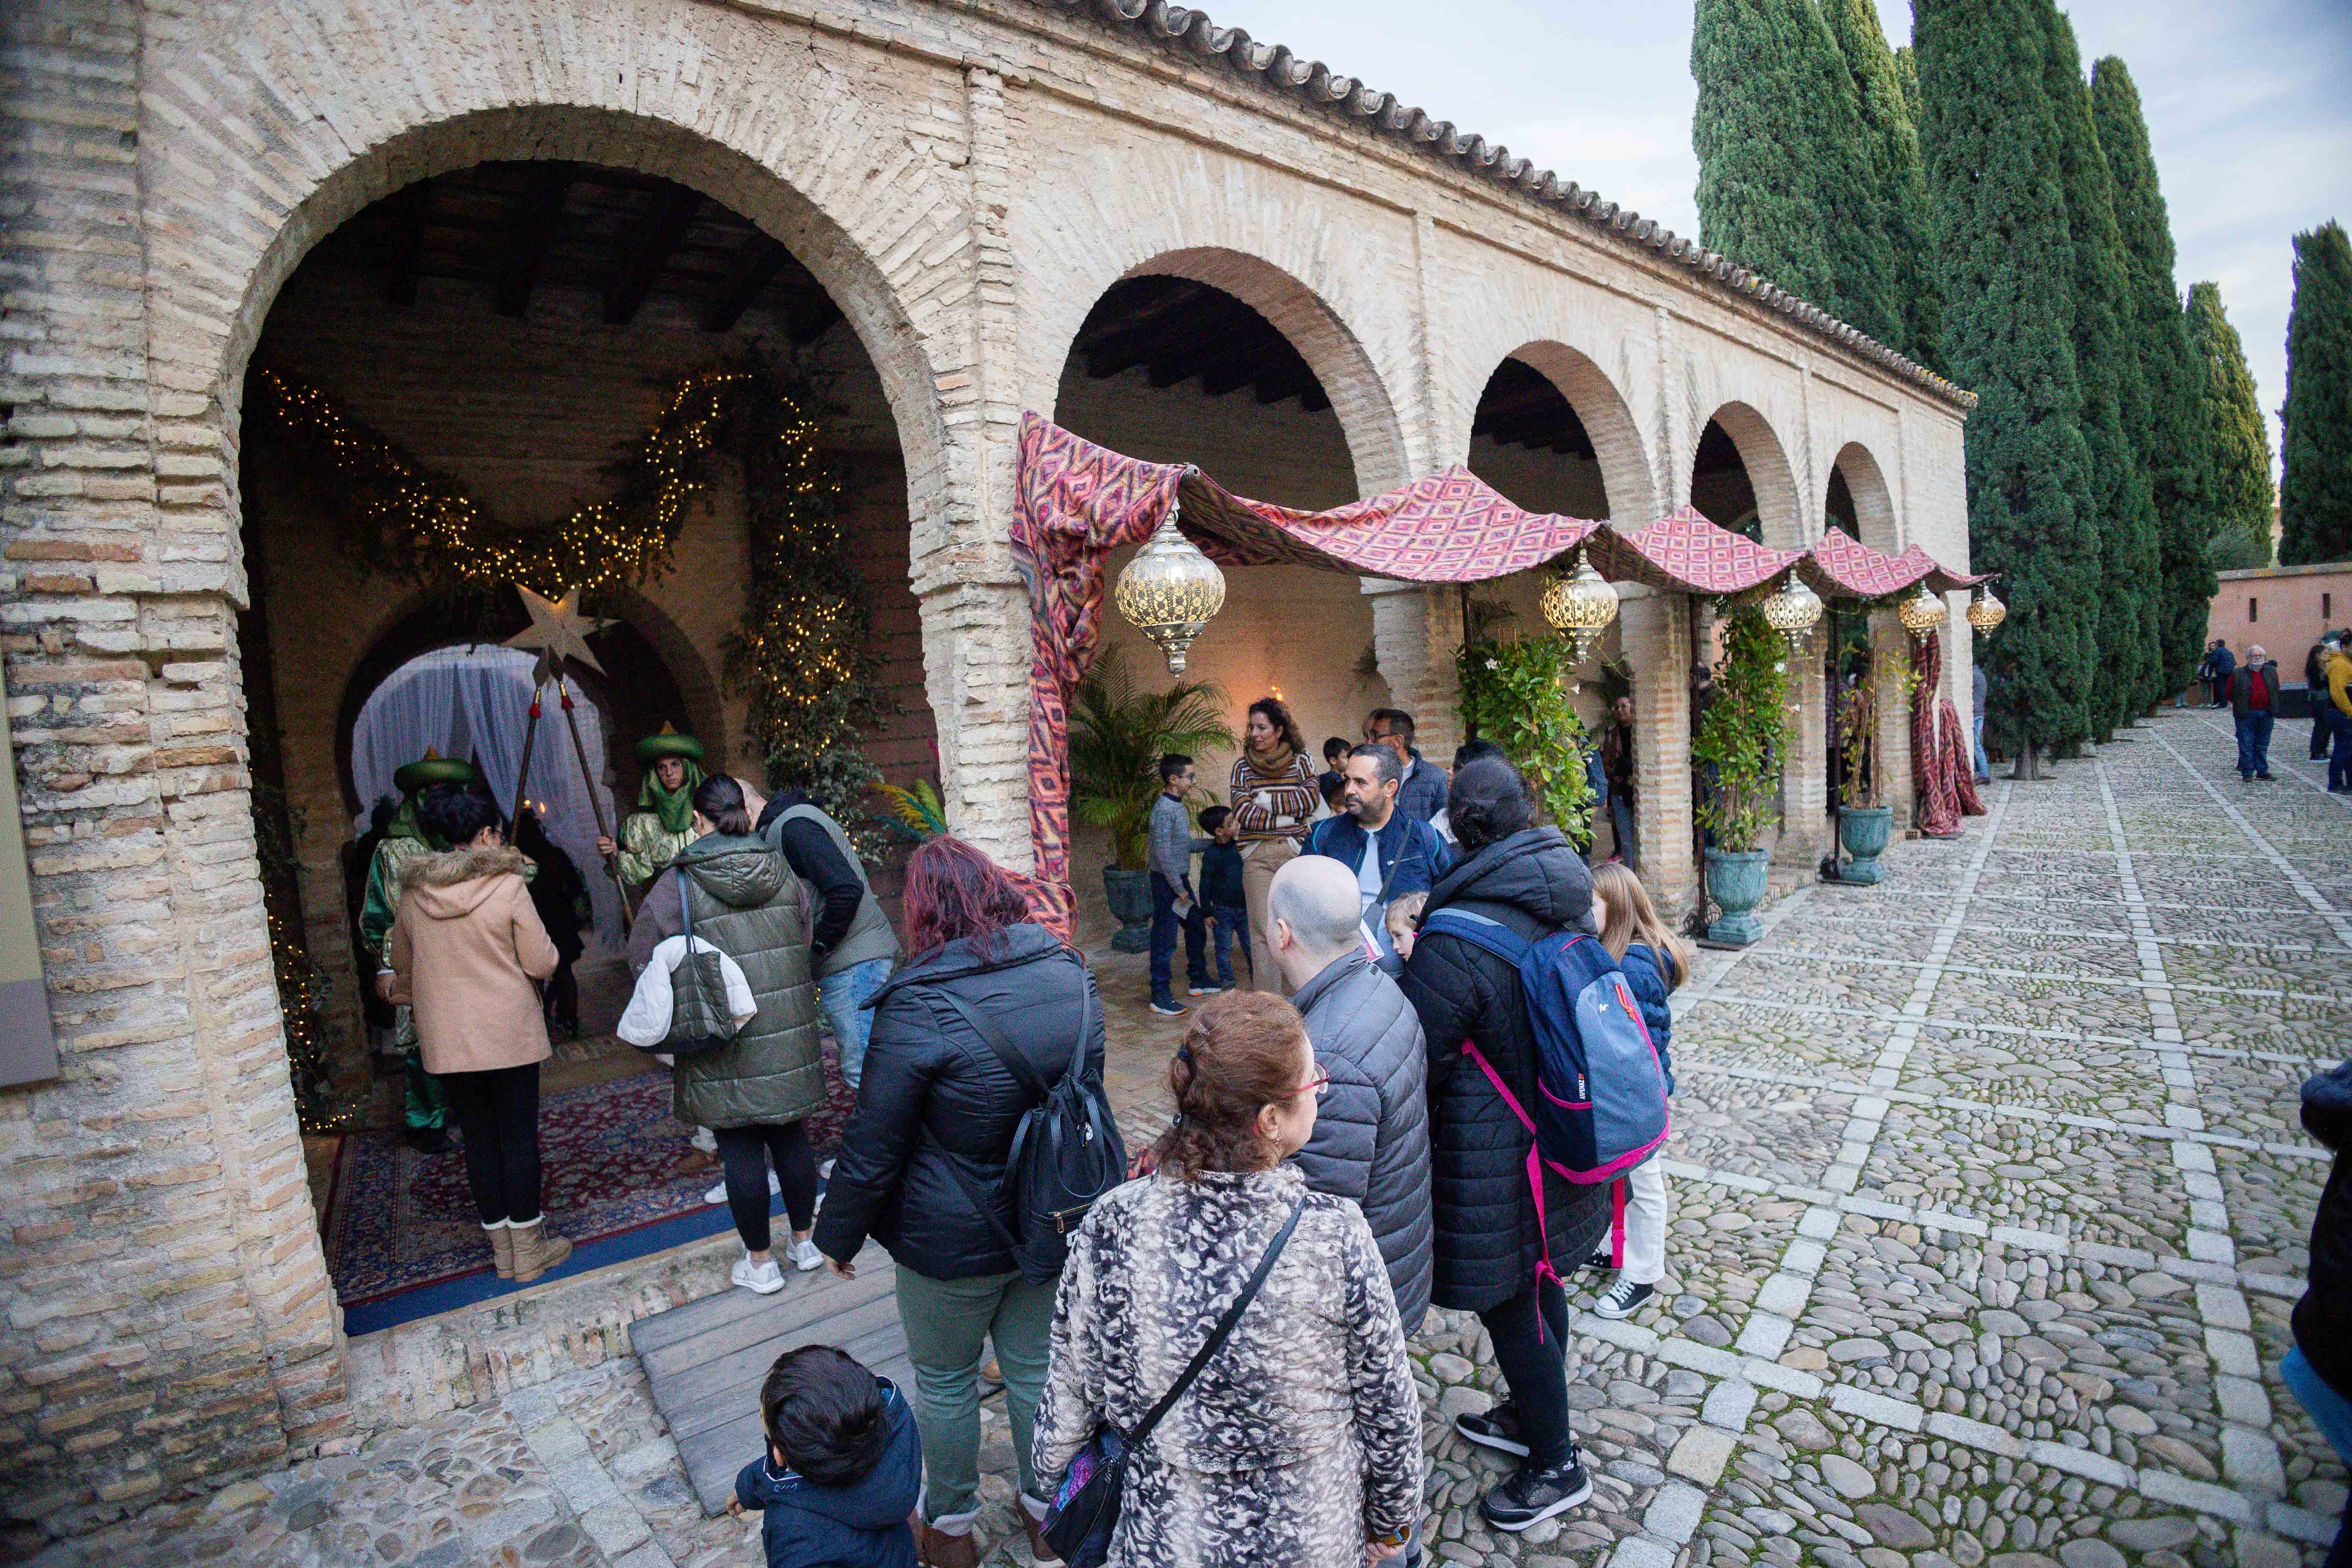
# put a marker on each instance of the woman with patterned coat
(1300, 1443)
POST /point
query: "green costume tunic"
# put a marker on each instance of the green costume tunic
(662, 824)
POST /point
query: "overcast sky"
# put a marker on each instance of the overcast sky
(2249, 101)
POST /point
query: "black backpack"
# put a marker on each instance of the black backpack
(1065, 1154)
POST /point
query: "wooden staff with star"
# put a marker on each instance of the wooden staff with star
(558, 632)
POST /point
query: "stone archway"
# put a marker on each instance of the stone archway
(1869, 497)
(1771, 481)
(1607, 423)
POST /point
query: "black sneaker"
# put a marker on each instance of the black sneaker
(1624, 1299)
(1601, 1260)
(1529, 1494)
(1495, 1429)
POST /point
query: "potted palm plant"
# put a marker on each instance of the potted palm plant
(1738, 750)
(1118, 735)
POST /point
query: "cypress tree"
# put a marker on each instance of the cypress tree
(2315, 494)
(2005, 261)
(1898, 184)
(2122, 503)
(1783, 183)
(1906, 77)
(2240, 448)
(2164, 425)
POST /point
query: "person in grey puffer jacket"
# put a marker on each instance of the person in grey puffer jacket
(755, 1091)
(1371, 1126)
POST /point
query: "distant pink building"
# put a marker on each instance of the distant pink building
(2284, 608)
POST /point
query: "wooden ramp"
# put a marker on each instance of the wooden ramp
(706, 1360)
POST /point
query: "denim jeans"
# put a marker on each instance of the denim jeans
(2323, 725)
(844, 997)
(2254, 741)
(1164, 922)
(1984, 764)
(2331, 1413)
(946, 1320)
(1620, 824)
(1229, 921)
(2339, 761)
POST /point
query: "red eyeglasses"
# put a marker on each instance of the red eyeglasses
(1318, 1085)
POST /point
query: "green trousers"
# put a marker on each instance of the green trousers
(426, 1106)
(945, 1322)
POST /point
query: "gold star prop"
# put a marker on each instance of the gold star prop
(558, 630)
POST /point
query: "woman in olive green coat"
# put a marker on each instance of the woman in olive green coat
(755, 1092)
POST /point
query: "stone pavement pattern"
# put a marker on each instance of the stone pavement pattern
(1990, 1203)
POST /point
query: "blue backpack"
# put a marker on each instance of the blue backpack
(1600, 1093)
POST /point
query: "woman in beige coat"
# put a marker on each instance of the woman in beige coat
(466, 950)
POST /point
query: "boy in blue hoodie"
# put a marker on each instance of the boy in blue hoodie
(842, 1468)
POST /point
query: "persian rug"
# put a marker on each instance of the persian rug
(398, 1220)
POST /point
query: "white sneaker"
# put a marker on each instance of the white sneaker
(760, 1279)
(718, 1195)
(824, 1171)
(805, 1256)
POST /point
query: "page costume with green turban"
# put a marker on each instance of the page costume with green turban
(663, 823)
(404, 843)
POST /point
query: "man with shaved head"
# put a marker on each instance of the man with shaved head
(1372, 1122)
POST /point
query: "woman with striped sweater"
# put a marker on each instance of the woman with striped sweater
(1274, 799)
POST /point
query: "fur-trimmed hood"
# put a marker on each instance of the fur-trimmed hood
(453, 885)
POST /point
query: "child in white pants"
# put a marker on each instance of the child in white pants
(1654, 963)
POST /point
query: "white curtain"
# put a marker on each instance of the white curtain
(474, 703)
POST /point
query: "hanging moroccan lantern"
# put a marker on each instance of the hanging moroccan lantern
(1169, 592)
(1582, 603)
(1792, 612)
(1985, 612)
(1922, 613)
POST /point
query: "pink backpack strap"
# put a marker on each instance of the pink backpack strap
(1544, 1270)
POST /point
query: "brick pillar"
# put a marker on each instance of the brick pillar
(1804, 772)
(1655, 629)
(1890, 646)
(1416, 633)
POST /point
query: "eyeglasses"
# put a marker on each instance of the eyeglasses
(1321, 1086)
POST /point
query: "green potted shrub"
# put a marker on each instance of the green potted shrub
(1738, 750)
(1517, 693)
(1118, 735)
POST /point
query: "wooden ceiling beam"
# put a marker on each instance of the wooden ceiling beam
(658, 240)
(762, 260)
(404, 212)
(528, 227)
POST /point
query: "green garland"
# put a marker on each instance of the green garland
(1516, 693)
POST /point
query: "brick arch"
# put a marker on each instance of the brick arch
(1779, 508)
(1333, 348)
(1608, 421)
(1873, 501)
(305, 126)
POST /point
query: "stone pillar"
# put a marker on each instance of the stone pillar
(1655, 629)
(1804, 771)
(1891, 650)
(1416, 633)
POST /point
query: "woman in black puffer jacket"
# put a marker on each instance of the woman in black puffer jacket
(936, 1113)
(2319, 1368)
(1530, 880)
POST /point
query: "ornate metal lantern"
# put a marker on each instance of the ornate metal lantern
(1582, 603)
(1985, 612)
(1793, 612)
(1169, 592)
(1922, 613)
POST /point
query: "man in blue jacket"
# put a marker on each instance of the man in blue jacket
(1391, 852)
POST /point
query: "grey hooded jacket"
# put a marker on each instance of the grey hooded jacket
(748, 906)
(1371, 1129)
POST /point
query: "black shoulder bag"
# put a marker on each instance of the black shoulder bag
(1086, 1508)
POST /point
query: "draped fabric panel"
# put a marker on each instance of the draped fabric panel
(1937, 809)
(1074, 502)
(474, 703)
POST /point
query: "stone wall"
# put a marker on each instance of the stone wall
(965, 181)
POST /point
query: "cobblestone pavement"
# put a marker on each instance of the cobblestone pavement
(1990, 1203)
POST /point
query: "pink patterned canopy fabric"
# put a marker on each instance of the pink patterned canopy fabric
(1074, 502)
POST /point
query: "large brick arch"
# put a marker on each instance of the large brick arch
(304, 125)
(1779, 504)
(1602, 409)
(1276, 244)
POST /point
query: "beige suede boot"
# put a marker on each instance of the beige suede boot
(502, 1248)
(536, 1249)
